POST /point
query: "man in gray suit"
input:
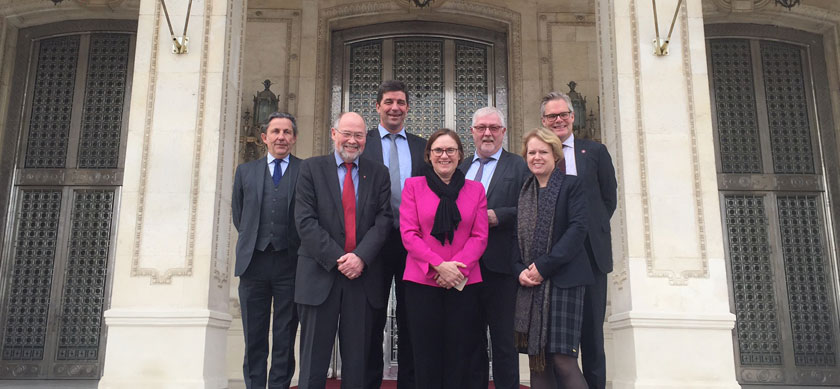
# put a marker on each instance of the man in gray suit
(591, 162)
(343, 216)
(266, 253)
(502, 174)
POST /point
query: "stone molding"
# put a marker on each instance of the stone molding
(669, 320)
(454, 11)
(291, 20)
(203, 318)
(164, 276)
(682, 277)
(28, 13)
(546, 21)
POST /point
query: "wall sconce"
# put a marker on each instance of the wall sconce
(265, 103)
(784, 3)
(179, 43)
(660, 46)
(586, 123)
(579, 105)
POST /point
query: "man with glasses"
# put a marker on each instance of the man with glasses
(343, 216)
(502, 174)
(591, 162)
(402, 153)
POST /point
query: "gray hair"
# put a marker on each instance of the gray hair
(341, 115)
(551, 96)
(280, 115)
(487, 111)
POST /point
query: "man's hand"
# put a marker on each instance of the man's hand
(350, 265)
(491, 217)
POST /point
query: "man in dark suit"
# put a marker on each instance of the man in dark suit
(591, 162)
(343, 216)
(502, 174)
(266, 253)
(402, 154)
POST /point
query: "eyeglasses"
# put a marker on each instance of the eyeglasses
(553, 116)
(439, 151)
(354, 135)
(493, 129)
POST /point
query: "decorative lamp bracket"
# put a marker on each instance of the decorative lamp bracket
(660, 46)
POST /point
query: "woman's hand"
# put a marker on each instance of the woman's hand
(525, 281)
(448, 273)
(534, 274)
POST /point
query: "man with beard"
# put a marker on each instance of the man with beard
(591, 162)
(502, 174)
(266, 253)
(343, 216)
(402, 153)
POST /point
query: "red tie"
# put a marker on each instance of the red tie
(348, 200)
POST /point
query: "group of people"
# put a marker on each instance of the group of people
(517, 245)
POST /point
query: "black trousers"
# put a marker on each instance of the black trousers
(497, 300)
(269, 281)
(393, 255)
(592, 355)
(444, 332)
(347, 310)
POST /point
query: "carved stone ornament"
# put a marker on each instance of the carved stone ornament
(99, 3)
(420, 4)
(741, 5)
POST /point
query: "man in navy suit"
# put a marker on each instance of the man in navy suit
(591, 162)
(402, 154)
(266, 253)
(343, 216)
(502, 174)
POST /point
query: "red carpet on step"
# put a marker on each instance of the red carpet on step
(336, 384)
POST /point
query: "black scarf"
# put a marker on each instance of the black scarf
(447, 215)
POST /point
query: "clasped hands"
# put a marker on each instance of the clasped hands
(530, 277)
(448, 274)
(350, 265)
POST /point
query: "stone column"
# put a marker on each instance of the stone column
(169, 311)
(671, 319)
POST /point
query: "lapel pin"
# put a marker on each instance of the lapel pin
(583, 151)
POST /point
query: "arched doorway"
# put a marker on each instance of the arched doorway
(450, 71)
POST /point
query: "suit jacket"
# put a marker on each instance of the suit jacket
(502, 198)
(417, 217)
(595, 168)
(416, 146)
(566, 263)
(320, 221)
(246, 201)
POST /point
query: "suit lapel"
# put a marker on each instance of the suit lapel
(291, 174)
(365, 187)
(259, 171)
(498, 174)
(580, 158)
(330, 174)
(373, 146)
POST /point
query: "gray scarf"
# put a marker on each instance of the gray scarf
(535, 221)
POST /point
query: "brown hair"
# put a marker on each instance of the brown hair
(438, 134)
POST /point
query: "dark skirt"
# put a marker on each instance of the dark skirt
(565, 320)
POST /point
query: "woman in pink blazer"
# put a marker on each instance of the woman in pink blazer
(443, 222)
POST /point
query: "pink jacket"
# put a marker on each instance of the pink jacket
(417, 216)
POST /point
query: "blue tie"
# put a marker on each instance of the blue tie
(278, 172)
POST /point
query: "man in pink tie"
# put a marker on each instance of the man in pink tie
(343, 215)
